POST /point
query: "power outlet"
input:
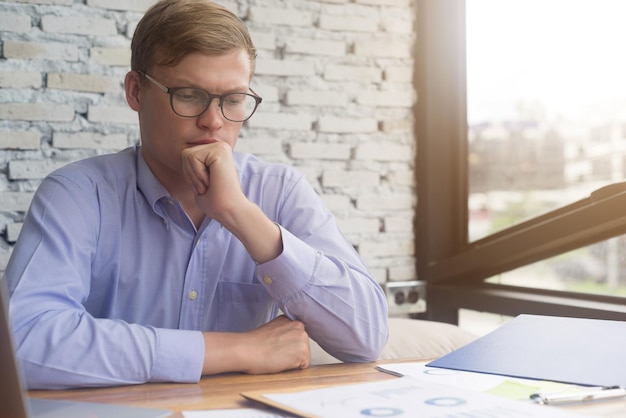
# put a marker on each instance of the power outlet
(407, 297)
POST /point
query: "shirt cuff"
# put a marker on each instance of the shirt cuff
(179, 356)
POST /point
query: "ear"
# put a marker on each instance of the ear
(132, 88)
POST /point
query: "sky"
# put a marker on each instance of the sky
(564, 53)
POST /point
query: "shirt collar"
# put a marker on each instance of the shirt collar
(147, 183)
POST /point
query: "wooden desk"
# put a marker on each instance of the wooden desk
(217, 392)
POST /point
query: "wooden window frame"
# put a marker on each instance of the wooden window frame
(453, 268)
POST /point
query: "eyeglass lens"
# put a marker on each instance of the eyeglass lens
(193, 102)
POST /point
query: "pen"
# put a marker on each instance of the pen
(584, 396)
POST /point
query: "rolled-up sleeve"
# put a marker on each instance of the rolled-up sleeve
(320, 279)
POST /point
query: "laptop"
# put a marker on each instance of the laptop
(15, 404)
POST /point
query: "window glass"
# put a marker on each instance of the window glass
(596, 269)
(546, 88)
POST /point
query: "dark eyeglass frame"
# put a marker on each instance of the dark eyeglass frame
(172, 90)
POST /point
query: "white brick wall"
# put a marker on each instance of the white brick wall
(48, 112)
(20, 140)
(20, 79)
(78, 25)
(24, 51)
(336, 78)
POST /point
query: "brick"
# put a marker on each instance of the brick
(392, 47)
(402, 178)
(354, 225)
(279, 16)
(401, 273)
(385, 2)
(396, 125)
(47, 50)
(315, 47)
(311, 172)
(89, 140)
(14, 22)
(84, 82)
(268, 92)
(321, 151)
(20, 79)
(389, 202)
(25, 170)
(284, 67)
(352, 73)
(13, 231)
(280, 121)
(57, 2)
(376, 151)
(336, 202)
(78, 25)
(4, 260)
(399, 74)
(346, 125)
(15, 201)
(260, 146)
(123, 5)
(111, 56)
(231, 5)
(348, 178)
(130, 28)
(348, 23)
(316, 98)
(37, 112)
(112, 114)
(398, 24)
(387, 248)
(263, 40)
(23, 140)
(401, 223)
(404, 98)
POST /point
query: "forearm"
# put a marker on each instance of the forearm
(260, 236)
(344, 309)
(280, 344)
(221, 353)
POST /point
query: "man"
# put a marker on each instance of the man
(182, 258)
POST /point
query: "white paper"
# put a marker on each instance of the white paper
(234, 413)
(510, 387)
(408, 397)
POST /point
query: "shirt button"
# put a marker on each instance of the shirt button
(267, 280)
(193, 295)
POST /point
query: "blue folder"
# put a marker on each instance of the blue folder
(560, 349)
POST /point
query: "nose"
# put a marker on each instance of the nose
(212, 117)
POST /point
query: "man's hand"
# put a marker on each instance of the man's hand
(210, 169)
(281, 344)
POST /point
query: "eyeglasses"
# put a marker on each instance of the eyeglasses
(190, 102)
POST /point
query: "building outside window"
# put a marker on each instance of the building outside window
(541, 89)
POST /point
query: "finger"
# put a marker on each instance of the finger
(200, 171)
(196, 173)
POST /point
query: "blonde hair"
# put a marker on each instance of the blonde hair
(171, 29)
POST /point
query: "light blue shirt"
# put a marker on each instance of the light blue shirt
(111, 283)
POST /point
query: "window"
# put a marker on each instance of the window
(520, 205)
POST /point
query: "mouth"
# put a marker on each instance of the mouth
(203, 141)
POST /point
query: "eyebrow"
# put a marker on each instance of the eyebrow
(238, 89)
